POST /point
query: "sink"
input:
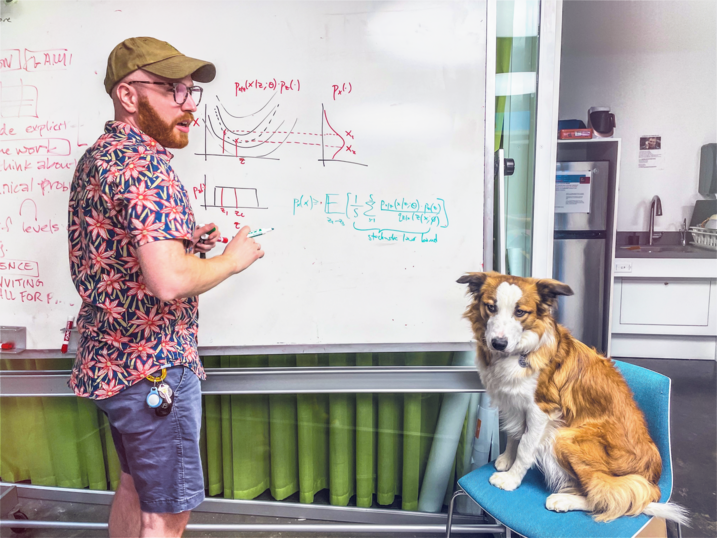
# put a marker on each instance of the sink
(666, 248)
(665, 251)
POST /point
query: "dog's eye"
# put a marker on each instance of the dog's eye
(491, 308)
(520, 313)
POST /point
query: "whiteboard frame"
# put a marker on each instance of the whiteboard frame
(489, 135)
(487, 245)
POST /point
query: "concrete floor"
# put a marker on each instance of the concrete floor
(694, 439)
(694, 455)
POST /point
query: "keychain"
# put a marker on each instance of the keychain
(165, 391)
(154, 400)
(155, 397)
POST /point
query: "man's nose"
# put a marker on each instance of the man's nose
(189, 105)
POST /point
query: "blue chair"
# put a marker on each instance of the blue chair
(523, 510)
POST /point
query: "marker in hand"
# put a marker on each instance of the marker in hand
(204, 237)
(260, 231)
(255, 233)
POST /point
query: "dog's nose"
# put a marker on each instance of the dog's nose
(499, 343)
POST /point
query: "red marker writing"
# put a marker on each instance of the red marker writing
(68, 332)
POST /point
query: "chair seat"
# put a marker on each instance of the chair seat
(523, 510)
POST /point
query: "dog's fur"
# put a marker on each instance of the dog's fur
(565, 408)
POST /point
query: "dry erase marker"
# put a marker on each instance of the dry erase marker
(204, 237)
(260, 231)
(7, 346)
(68, 332)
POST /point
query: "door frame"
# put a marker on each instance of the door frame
(546, 137)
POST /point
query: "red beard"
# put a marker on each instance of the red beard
(153, 125)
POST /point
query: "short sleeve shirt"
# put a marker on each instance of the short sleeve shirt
(125, 194)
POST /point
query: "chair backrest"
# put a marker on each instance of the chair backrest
(652, 394)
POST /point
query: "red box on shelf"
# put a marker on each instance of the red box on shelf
(575, 134)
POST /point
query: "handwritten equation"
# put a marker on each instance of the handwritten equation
(382, 220)
(256, 84)
(34, 60)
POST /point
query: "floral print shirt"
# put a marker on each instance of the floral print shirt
(125, 194)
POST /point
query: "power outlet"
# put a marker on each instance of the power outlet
(623, 267)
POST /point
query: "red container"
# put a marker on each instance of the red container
(575, 134)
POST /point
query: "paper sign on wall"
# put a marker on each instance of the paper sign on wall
(651, 153)
(572, 192)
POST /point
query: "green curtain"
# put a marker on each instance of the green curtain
(366, 447)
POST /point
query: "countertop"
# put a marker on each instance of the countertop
(667, 247)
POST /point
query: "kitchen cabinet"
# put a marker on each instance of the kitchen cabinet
(665, 308)
(665, 302)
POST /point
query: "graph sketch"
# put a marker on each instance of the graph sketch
(230, 197)
(263, 133)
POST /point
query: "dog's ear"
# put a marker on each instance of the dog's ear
(549, 289)
(475, 281)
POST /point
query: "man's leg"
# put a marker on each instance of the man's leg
(163, 525)
(161, 451)
(125, 515)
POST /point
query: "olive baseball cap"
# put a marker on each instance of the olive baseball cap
(155, 56)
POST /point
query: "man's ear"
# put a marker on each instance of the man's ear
(475, 281)
(125, 97)
(549, 289)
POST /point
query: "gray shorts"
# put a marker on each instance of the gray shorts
(160, 453)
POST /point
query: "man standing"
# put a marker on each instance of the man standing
(132, 241)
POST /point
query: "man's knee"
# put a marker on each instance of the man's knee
(164, 524)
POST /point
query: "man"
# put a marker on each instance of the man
(133, 240)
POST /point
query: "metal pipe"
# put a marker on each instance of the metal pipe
(293, 529)
(655, 208)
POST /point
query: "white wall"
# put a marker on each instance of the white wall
(654, 63)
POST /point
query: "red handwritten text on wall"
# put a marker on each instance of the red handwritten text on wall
(36, 146)
(19, 268)
(34, 60)
(282, 86)
(340, 89)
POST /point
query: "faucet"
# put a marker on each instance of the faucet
(655, 209)
(683, 233)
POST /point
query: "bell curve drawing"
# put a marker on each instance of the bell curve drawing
(263, 133)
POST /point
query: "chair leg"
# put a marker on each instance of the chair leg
(679, 531)
(451, 506)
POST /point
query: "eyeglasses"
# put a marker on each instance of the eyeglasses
(181, 90)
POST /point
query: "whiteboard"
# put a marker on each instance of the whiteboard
(355, 129)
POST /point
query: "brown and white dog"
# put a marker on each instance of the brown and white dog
(564, 407)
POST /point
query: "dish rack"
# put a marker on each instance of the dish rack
(703, 237)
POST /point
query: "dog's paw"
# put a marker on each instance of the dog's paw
(503, 462)
(506, 481)
(565, 502)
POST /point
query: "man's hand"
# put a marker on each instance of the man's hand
(170, 273)
(209, 243)
(243, 250)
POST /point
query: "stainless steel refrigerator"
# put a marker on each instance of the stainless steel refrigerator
(582, 229)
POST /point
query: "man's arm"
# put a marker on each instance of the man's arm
(170, 273)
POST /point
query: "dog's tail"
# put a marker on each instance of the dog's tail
(673, 512)
(613, 496)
